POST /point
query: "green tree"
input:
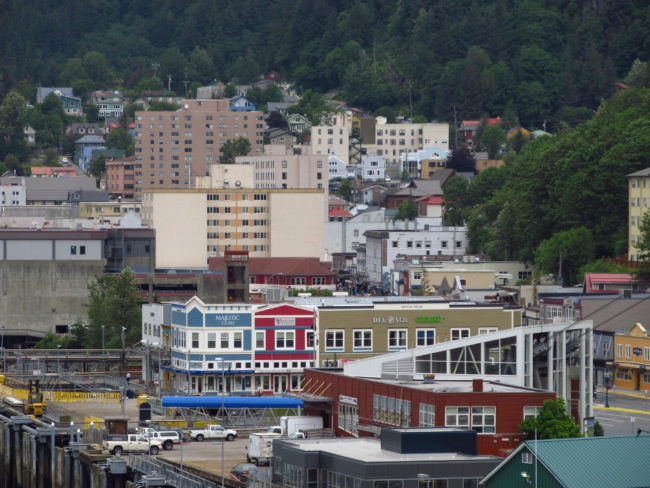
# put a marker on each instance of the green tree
(407, 210)
(52, 341)
(12, 163)
(492, 140)
(639, 74)
(92, 113)
(462, 159)
(551, 422)
(13, 115)
(345, 190)
(121, 139)
(643, 248)
(98, 166)
(404, 176)
(233, 148)
(114, 304)
(230, 90)
(598, 429)
(455, 196)
(568, 250)
(51, 158)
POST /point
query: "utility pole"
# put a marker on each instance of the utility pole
(186, 82)
(169, 82)
(455, 128)
(154, 67)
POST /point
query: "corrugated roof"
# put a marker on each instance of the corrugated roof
(612, 462)
(612, 314)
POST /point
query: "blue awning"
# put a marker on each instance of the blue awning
(231, 402)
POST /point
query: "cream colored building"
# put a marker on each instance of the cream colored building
(638, 201)
(279, 167)
(192, 225)
(331, 139)
(393, 139)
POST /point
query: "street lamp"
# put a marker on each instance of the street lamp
(102, 341)
(223, 471)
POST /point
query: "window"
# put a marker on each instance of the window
(397, 338)
(459, 333)
(82, 249)
(619, 350)
(212, 340)
(457, 417)
(237, 340)
(393, 411)
(526, 457)
(427, 415)
(225, 340)
(487, 330)
(284, 339)
(394, 243)
(362, 339)
(73, 250)
(624, 375)
(628, 350)
(195, 340)
(333, 340)
(531, 412)
(349, 418)
(260, 340)
(309, 338)
(484, 419)
(425, 337)
(646, 353)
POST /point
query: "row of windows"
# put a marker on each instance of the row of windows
(427, 244)
(392, 411)
(628, 351)
(238, 365)
(362, 339)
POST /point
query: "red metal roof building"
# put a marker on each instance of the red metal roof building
(611, 282)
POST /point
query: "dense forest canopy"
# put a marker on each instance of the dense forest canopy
(532, 61)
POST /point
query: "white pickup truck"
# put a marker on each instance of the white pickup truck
(213, 432)
(119, 443)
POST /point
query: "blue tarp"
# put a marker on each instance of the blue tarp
(231, 402)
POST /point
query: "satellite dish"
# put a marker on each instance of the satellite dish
(237, 183)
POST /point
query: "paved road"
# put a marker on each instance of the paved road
(625, 414)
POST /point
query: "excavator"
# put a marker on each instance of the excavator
(34, 405)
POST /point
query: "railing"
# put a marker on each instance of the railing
(173, 476)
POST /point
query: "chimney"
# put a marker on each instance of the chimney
(477, 386)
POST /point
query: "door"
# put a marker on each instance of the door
(279, 384)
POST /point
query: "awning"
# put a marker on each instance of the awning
(630, 365)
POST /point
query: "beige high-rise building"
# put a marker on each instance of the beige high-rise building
(279, 167)
(638, 201)
(174, 147)
(194, 224)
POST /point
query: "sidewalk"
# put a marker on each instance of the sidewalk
(626, 392)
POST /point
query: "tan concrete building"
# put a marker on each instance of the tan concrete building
(331, 139)
(638, 201)
(192, 225)
(279, 167)
(393, 139)
(173, 147)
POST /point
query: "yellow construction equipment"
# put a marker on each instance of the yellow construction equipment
(34, 405)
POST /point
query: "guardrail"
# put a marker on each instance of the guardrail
(173, 475)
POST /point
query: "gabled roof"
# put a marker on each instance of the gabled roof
(339, 212)
(614, 462)
(432, 200)
(643, 172)
(607, 278)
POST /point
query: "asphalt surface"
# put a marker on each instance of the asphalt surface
(627, 412)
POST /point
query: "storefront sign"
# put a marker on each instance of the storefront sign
(637, 351)
(390, 320)
(285, 321)
(228, 320)
(347, 399)
(432, 319)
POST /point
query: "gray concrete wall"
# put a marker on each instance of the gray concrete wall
(35, 296)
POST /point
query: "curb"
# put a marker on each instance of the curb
(616, 409)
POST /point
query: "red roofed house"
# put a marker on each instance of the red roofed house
(294, 273)
(52, 171)
(611, 282)
(469, 128)
(337, 214)
(431, 206)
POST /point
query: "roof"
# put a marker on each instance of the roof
(90, 139)
(616, 313)
(284, 266)
(432, 200)
(369, 450)
(51, 189)
(339, 212)
(643, 172)
(231, 402)
(614, 462)
(607, 278)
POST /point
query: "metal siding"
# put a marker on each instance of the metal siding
(179, 318)
(247, 340)
(231, 402)
(195, 318)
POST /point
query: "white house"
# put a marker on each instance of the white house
(412, 161)
(373, 167)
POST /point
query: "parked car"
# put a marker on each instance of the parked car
(213, 432)
(167, 437)
(118, 443)
(243, 471)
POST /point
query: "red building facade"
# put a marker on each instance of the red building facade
(360, 406)
(283, 340)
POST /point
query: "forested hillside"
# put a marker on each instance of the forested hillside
(531, 60)
(562, 197)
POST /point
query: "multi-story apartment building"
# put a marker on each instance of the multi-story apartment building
(391, 140)
(120, 178)
(638, 201)
(173, 147)
(206, 222)
(239, 348)
(280, 167)
(110, 103)
(331, 140)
